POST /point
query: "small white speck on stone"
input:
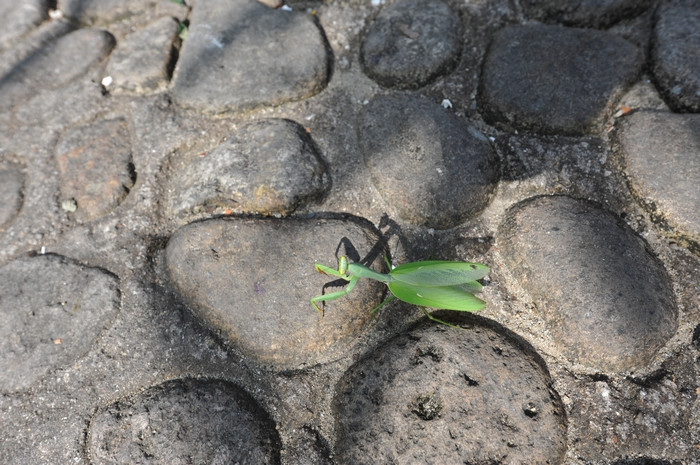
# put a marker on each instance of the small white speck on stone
(286, 8)
(55, 14)
(106, 81)
(446, 103)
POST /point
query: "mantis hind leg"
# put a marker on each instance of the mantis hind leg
(386, 301)
(438, 320)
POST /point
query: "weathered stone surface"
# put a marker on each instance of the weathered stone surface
(251, 280)
(105, 11)
(430, 166)
(56, 65)
(584, 13)
(267, 167)
(241, 55)
(184, 421)
(607, 301)
(411, 42)
(675, 54)
(436, 396)
(661, 153)
(52, 310)
(95, 166)
(142, 61)
(555, 80)
(20, 18)
(11, 191)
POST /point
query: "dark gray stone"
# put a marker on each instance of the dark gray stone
(411, 42)
(142, 61)
(240, 55)
(449, 396)
(584, 13)
(430, 166)
(675, 54)
(51, 310)
(95, 167)
(21, 17)
(607, 301)
(250, 280)
(555, 80)
(661, 155)
(11, 191)
(55, 65)
(267, 167)
(184, 421)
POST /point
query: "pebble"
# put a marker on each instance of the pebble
(607, 301)
(432, 167)
(555, 80)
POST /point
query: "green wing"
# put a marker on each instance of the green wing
(445, 297)
(438, 273)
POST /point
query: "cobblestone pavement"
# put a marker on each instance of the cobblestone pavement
(170, 173)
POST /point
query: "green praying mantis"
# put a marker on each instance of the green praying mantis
(436, 284)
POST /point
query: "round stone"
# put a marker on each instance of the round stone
(449, 396)
(52, 310)
(411, 42)
(433, 168)
(250, 280)
(184, 421)
(606, 299)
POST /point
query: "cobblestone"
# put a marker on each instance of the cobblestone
(170, 171)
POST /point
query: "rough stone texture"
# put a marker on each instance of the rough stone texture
(96, 168)
(21, 17)
(227, 271)
(241, 55)
(267, 167)
(52, 310)
(584, 13)
(656, 147)
(410, 43)
(164, 424)
(11, 191)
(675, 54)
(555, 80)
(104, 11)
(607, 301)
(55, 65)
(642, 415)
(436, 396)
(433, 168)
(142, 61)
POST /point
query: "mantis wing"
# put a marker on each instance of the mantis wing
(438, 273)
(445, 297)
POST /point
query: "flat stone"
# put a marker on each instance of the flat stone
(430, 166)
(449, 396)
(241, 55)
(55, 65)
(142, 61)
(52, 310)
(606, 300)
(675, 54)
(266, 167)
(411, 42)
(184, 421)
(250, 280)
(598, 14)
(95, 167)
(20, 18)
(11, 191)
(555, 80)
(661, 153)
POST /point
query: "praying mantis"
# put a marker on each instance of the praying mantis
(436, 284)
